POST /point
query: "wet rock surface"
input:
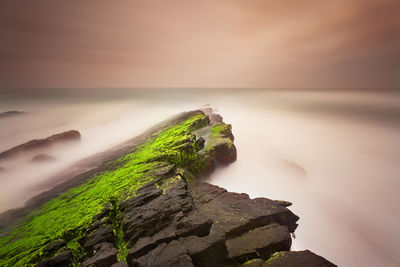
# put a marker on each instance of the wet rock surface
(177, 220)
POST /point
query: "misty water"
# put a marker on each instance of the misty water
(335, 155)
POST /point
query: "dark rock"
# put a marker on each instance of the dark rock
(297, 259)
(253, 263)
(64, 259)
(42, 158)
(119, 264)
(39, 144)
(199, 144)
(105, 255)
(102, 234)
(54, 247)
(172, 254)
(259, 242)
(157, 214)
(237, 213)
(100, 222)
(11, 113)
(283, 203)
(206, 251)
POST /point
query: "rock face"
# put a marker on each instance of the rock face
(40, 144)
(174, 219)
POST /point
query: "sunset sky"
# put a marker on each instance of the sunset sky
(193, 43)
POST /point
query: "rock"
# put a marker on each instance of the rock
(157, 213)
(11, 113)
(283, 203)
(199, 144)
(237, 213)
(253, 263)
(105, 255)
(54, 247)
(119, 264)
(297, 259)
(259, 242)
(100, 235)
(2, 169)
(206, 250)
(39, 144)
(64, 259)
(42, 158)
(168, 255)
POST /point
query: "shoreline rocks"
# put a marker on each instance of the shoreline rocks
(175, 219)
(41, 144)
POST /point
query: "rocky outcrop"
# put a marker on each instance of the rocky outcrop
(172, 218)
(41, 144)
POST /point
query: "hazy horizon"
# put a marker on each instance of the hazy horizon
(254, 43)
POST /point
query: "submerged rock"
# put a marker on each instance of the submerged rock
(11, 113)
(42, 158)
(40, 144)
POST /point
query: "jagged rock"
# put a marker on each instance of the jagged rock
(259, 242)
(64, 259)
(156, 214)
(206, 251)
(168, 255)
(42, 158)
(39, 144)
(297, 259)
(237, 213)
(105, 256)
(101, 234)
(173, 220)
(54, 247)
(283, 203)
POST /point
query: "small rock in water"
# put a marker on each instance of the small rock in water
(42, 158)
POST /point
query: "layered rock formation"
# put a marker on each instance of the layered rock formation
(150, 208)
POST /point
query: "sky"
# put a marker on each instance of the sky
(192, 43)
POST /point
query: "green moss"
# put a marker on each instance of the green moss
(67, 215)
(221, 130)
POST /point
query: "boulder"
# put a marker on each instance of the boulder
(105, 255)
(63, 259)
(166, 255)
(259, 242)
(54, 247)
(102, 234)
